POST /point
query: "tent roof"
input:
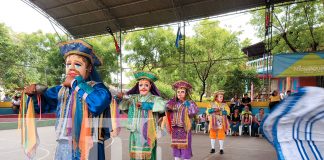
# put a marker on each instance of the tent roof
(83, 18)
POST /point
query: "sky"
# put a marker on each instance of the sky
(20, 17)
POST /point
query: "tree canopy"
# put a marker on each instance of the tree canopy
(296, 28)
(35, 58)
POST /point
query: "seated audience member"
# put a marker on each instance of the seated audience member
(274, 99)
(246, 101)
(246, 110)
(246, 123)
(235, 122)
(256, 123)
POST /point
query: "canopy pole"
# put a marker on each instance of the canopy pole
(121, 61)
(184, 50)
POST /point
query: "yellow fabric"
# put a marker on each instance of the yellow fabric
(27, 124)
(249, 112)
(151, 135)
(219, 105)
(274, 98)
(187, 121)
(86, 142)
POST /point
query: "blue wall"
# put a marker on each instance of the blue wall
(6, 111)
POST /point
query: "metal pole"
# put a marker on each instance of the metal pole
(270, 44)
(184, 50)
(121, 61)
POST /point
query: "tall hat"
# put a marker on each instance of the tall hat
(181, 84)
(79, 47)
(219, 92)
(145, 75)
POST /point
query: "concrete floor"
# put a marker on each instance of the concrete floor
(245, 147)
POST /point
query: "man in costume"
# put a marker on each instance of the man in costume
(144, 107)
(81, 104)
(180, 110)
(218, 124)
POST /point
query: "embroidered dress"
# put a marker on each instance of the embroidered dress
(142, 124)
(218, 124)
(81, 104)
(179, 126)
(79, 126)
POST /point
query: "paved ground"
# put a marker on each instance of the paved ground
(250, 148)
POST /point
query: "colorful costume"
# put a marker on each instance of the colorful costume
(80, 110)
(179, 123)
(218, 123)
(142, 121)
(295, 126)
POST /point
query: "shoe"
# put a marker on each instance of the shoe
(221, 151)
(212, 151)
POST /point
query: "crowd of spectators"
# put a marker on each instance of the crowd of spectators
(242, 121)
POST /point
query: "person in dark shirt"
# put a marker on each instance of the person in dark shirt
(245, 101)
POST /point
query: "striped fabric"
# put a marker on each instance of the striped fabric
(114, 111)
(295, 127)
(27, 124)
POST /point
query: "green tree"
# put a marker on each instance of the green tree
(150, 48)
(104, 47)
(238, 79)
(40, 54)
(211, 50)
(35, 58)
(296, 28)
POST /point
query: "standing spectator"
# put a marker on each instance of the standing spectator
(235, 122)
(16, 104)
(245, 101)
(235, 103)
(274, 99)
(256, 123)
(203, 121)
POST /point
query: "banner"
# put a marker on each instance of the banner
(298, 64)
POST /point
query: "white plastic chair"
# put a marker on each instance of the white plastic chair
(241, 126)
(198, 126)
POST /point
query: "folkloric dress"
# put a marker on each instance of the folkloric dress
(81, 109)
(142, 123)
(179, 126)
(218, 124)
